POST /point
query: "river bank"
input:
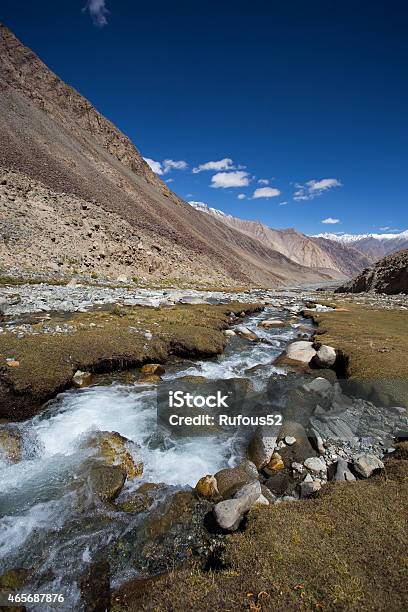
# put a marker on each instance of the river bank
(62, 532)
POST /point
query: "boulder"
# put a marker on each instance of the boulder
(82, 379)
(229, 332)
(262, 446)
(301, 449)
(325, 357)
(106, 482)
(366, 464)
(152, 368)
(268, 323)
(342, 471)
(11, 444)
(116, 450)
(316, 465)
(230, 513)
(207, 487)
(301, 351)
(243, 331)
(230, 480)
(275, 464)
(319, 385)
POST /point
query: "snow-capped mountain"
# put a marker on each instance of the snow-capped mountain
(301, 249)
(375, 246)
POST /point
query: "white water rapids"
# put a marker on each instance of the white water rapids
(46, 524)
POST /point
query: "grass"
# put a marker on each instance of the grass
(105, 341)
(345, 550)
(375, 345)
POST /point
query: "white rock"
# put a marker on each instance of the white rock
(315, 465)
(301, 351)
(290, 440)
(271, 323)
(230, 512)
(262, 501)
(241, 330)
(229, 332)
(366, 464)
(325, 357)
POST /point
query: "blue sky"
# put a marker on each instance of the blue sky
(309, 96)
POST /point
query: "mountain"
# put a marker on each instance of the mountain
(310, 251)
(76, 195)
(375, 246)
(389, 275)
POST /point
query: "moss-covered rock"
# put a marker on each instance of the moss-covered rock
(106, 482)
(11, 444)
(114, 449)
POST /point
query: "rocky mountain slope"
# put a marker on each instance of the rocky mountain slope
(77, 195)
(389, 275)
(375, 246)
(313, 252)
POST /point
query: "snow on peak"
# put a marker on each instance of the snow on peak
(350, 238)
(203, 207)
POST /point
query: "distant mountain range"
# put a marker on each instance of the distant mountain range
(314, 252)
(375, 246)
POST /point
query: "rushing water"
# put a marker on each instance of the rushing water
(49, 520)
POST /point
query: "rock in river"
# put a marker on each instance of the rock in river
(301, 351)
(325, 357)
(116, 450)
(207, 487)
(105, 481)
(11, 444)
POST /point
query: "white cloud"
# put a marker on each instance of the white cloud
(265, 192)
(282, 203)
(154, 165)
(98, 12)
(330, 221)
(166, 166)
(222, 164)
(170, 180)
(230, 179)
(263, 181)
(171, 164)
(312, 189)
(241, 196)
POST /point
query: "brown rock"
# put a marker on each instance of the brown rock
(116, 450)
(275, 464)
(207, 487)
(106, 482)
(230, 480)
(82, 379)
(153, 368)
